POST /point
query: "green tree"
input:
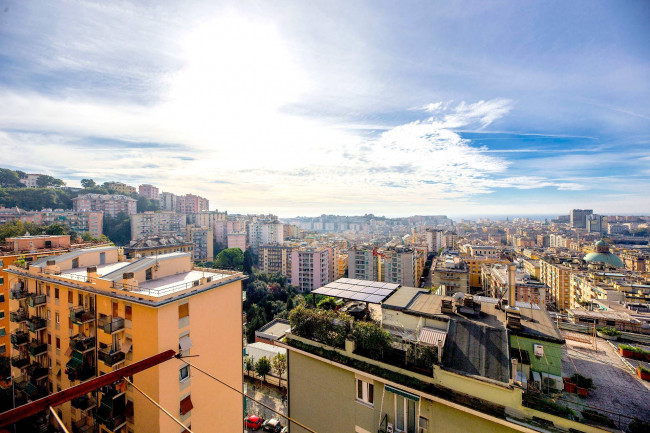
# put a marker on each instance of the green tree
(255, 319)
(280, 365)
(249, 365)
(118, 228)
(263, 367)
(11, 229)
(56, 229)
(248, 262)
(9, 178)
(88, 183)
(45, 180)
(145, 205)
(230, 258)
(290, 304)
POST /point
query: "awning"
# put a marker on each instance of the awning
(432, 336)
(402, 393)
(126, 346)
(185, 343)
(76, 361)
(186, 405)
(69, 351)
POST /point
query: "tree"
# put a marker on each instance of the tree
(255, 319)
(45, 180)
(144, 204)
(280, 365)
(248, 262)
(230, 258)
(118, 228)
(9, 178)
(88, 183)
(263, 367)
(56, 229)
(249, 365)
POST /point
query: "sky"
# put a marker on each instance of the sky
(337, 107)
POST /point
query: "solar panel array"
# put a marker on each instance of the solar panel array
(373, 292)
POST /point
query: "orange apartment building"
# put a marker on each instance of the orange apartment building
(88, 312)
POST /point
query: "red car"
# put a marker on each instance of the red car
(254, 422)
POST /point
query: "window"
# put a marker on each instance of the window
(2, 296)
(184, 373)
(49, 338)
(3, 332)
(3, 348)
(365, 392)
(75, 263)
(56, 317)
(2, 314)
(58, 343)
(149, 274)
(183, 310)
(186, 405)
(127, 312)
(70, 297)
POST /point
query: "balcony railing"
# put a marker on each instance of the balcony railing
(81, 343)
(36, 300)
(19, 338)
(79, 367)
(83, 403)
(18, 293)
(36, 324)
(110, 358)
(80, 315)
(36, 372)
(111, 423)
(18, 316)
(35, 348)
(19, 361)
(111, 324)
(83, 426)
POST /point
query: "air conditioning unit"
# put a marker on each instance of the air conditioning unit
(389, 428)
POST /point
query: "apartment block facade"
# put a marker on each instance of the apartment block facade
(78, 222)
(275, 259)
(164, 223)
(262, 232)
(311, 268)
(558, 279)
(363, 264)
(149, 191)
(111, 204)
(85, 313)
(120, 187)
(202, 240)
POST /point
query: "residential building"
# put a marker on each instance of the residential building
(190, 203)
(483, 251)
(404, 266)
(111, 204)
(311, 268)
(168, 201)
(265, 232)
(237, 240)
(557, 276)
(87, 312)
(579, 218)
(450, 274)
(149, 191)
(31, 180)
(120, 188)
(499, 279)
(475, 376)
(434, 240)
(275, 259)
(202, 240)
(341, 265)
(165, 223)
(596, 224)
(78, 222)
(272, 332)
(474, 265)
(157, 245)
(363, 263)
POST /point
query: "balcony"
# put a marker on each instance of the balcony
(83, 403)
(18, 316)
(112, 412)
(35, 348)
(79, 367)
(18, 292)
(36, 300)
(33, 391)
(19, 361)
(82, 344)
(111, 358)
(80, 315)
(35, 324)
(111, 324)
(83, 426)
(19, 338)
(37, 372)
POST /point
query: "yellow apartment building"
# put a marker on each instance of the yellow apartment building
(88, 312)
(558, 278)
(474, 265)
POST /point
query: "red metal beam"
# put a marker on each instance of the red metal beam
(29, 409)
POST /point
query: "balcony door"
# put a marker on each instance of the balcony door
(404, 414)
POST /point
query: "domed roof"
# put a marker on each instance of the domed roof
(602, 243)
(607, 258)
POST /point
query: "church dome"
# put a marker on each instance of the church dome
(603, 255)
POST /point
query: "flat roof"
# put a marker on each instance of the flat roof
(402, 298)
(275, 328)
(141, 264)
(68, 256)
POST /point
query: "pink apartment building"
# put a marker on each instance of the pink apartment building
(111, 204)
(311, 268)
(149, 191)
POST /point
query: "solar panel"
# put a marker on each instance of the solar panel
(391, 286)
(375, 299)
(346, 294)
(359, 296)
(345, 286)
(376, 284)
(335, 292)
(383, 292)
(323, 291)
(334, 285)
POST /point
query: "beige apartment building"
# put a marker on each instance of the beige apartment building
(88, 312)
(557, 277)
(451, 273)
(275, 259)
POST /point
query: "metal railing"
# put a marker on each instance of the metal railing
(111, 324)
(18, 316)
(36, 323)
(110, 358)
(36, 300)
(81, 314)
(19, 338)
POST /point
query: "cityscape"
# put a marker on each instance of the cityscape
(328, 217)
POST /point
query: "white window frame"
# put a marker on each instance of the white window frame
(365, 395)
(183, 379)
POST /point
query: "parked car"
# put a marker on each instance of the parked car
(254, 422)
(272, 425)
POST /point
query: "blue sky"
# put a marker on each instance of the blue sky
(293, 107)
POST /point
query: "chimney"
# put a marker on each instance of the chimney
(512, 284)
(52, 268)
(128, 281)
(514, 370)
(91, 272)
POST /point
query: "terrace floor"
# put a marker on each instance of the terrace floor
(617, 388)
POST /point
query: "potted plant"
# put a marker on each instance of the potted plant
(608, 333)
(583, 383)
(643, 372)
(646, 354)
(626, 350)
(638, 353)
(569, 385)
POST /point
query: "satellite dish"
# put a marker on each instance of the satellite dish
(458, 296)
